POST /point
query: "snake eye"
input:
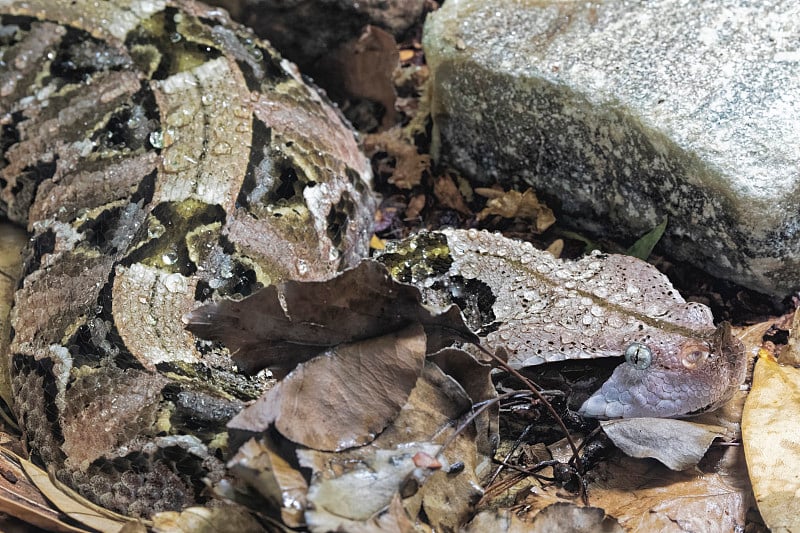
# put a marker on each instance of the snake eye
(693, 354)
(638, 355)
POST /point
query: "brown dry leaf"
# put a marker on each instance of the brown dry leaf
(556, 248)
(415, 206)
(12, 240)
(72, 504)
(476, 380)
(284, 324)
(351, 486)
(566, 516)
(348, 490)
(269, 481)
(447, 500)
(561, 516)
(790, 355)
(21, 499)
(515, 204)
(449, 196)
(393, 519)
(499, 521)
(678, 444)
(222, 519)
(409, 163)
(358, 389)
(645, 496)
(770, 435)
(364, 68)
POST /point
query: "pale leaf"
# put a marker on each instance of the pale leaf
(770, 435)
(678, 444)
(73, 505)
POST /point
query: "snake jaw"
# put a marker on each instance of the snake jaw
(699, 376)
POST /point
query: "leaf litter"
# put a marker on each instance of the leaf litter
(361, 406)
(770, 434)
(286, 478)
(383, 421)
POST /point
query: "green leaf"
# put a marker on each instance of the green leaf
(642, 248)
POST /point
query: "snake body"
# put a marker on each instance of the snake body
(161, 156)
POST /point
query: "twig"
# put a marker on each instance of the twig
(534, 389)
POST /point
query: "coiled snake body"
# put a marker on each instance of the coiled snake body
(161, 156)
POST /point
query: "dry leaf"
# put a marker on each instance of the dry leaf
(790, 355)
(515, 204)
(354, 487)
(349, 487)
(433, 408)
(73, 505)
(222, 519)
(364, 68)
(358, 390)
(415, 206)
(12, 240)
(449, 196)
(476, 380)
(556, 248)
(266, 480)
(23, 500)
(678, 444)
(499, 521)
(409, 164)
(561, 516)
(645, 496)
(770, 435)
(282, 325)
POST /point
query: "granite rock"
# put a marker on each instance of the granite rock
(624, 113)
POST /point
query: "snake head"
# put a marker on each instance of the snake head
(672, 376)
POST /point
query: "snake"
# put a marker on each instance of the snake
(160, 156)
(163, 157)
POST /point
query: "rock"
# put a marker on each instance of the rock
(624, 113)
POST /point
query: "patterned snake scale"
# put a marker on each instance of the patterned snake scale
(160, 156)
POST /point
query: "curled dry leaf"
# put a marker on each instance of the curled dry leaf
(282, 325)
(561, 516)
(770, 435)
(646, 496)
(409, 164)
(415, 206)
(221, 519)
(20, 498)
(475, 378)
(515, 204)
(358, 389)
(678, 444)
(72, 504)
(12, 241)
(364, 68)
(266, 480)
(437, 405)
(790, 355)
(449, 196)
(351, 486)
